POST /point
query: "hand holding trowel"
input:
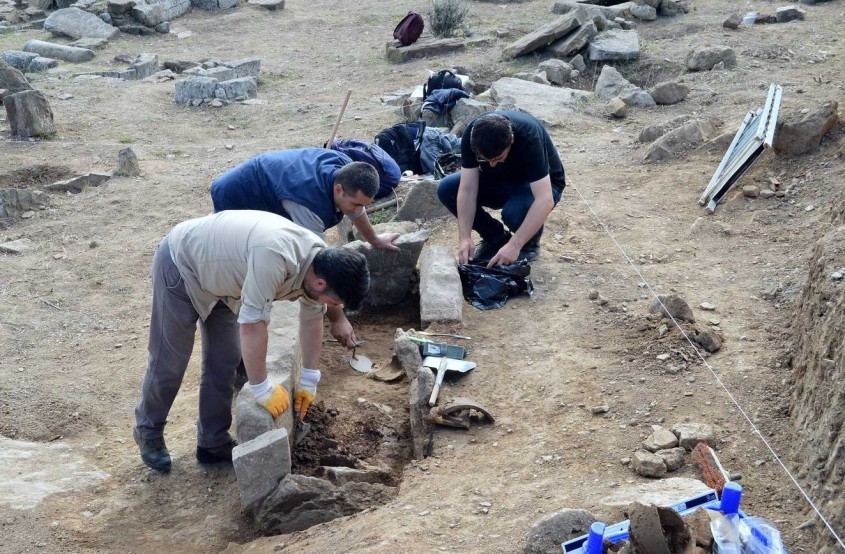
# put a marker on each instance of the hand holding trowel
(442, 365)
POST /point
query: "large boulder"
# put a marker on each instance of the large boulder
(29, 114)
(558, 72)
(612, 84)
(547, 534)
(75, 23)
(801, 133)
(703, 59)
(421, 203)
(551, 105)
(300, 502)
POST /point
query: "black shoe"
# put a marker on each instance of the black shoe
(154, 453)
(529, 252)
(487, 249)
(240, 377)
(217, 454)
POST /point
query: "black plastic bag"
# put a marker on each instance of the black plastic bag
(489, 288)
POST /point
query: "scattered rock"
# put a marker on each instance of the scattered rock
(658, 530)
(260, 464)
(704, 59)
(467, 109)
(407, 352)
(654, 132)
(548, 533)
(709, 339)
(678, 140)
(669, 92)
(644, 12)
(789, 13)
(802, 133)
(617, 108)
(611, 84)
(546, 34)
(16, 202)
(698, 523)
(672, 306)
(271, 5)
(574, 42)
(615, 45)
(690, 434)
(732, 22)
(11, 79)
(660, 439)
(603, 409)
(127, 163)
(672, 457)
(578, 63)
(29, 114)
(750, 191)
(342, 475)
(20, 246)
(78, 184)
(557, 71)
(647, 464)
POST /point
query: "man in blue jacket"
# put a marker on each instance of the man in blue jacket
(313, 187)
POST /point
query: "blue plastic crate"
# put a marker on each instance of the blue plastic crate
(619, 531)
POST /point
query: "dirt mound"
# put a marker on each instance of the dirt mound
(819, 366)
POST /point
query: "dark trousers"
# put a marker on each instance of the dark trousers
(513, 200)
(173, 326)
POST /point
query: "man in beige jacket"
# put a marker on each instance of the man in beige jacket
(225, 271)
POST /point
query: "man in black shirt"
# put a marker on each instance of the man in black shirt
(508, 162)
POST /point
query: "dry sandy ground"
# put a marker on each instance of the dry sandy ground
(73, 314)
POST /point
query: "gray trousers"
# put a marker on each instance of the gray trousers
(173, 326)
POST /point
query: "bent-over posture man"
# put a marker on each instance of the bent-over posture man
(508, 162)
(225, 270)
(314, 188)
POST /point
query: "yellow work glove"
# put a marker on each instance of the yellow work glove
(306, 391)
(274, 398)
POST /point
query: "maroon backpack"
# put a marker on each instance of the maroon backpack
(409, 29)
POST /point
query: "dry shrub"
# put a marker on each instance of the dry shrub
(447, 16)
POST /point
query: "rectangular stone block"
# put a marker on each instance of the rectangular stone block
(283, 363)
(248, 67)
(149, 15)
(396, 53)
(441, 295)
(145, 65)
(260, 464)
(237, 89)
(173, 8)
(195, 88)
(546, 34)
(221, 73)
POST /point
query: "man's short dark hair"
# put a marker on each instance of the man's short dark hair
(346, 274)
(491, 134)
(357, 176)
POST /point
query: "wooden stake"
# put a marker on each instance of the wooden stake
(339, 118)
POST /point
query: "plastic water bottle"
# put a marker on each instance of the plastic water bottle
(595, 540)
(726, 535)
(749, 18)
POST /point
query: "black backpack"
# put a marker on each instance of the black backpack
(442, 79)
(402, 143)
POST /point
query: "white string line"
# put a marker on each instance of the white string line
(309, 128)
(704, 361)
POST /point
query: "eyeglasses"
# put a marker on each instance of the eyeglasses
(498, 159)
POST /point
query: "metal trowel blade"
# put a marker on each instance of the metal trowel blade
(361, 363)
(302, 429)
